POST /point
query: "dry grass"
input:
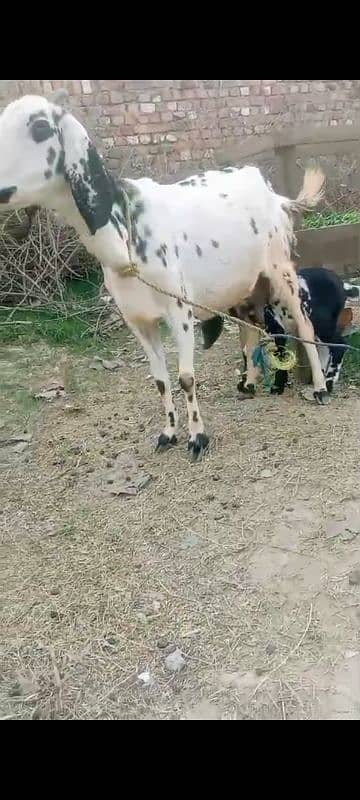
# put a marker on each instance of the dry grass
(214, 559)
(37, 258)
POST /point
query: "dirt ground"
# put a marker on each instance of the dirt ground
(246, 563)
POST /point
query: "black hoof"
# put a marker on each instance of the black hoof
(322, 397)
(277, 390)
(330, 386)
(165, 443)
(199, 446)
(249, 390)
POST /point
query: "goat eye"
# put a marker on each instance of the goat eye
(41, 130)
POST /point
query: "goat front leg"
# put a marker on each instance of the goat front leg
(182, 321)
(148, 334)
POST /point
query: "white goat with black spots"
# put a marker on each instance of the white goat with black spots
(207, 239)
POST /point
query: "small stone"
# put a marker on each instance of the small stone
(145, 678)
(73, 409)
(112, 366)
(266, 474)
(354, 578)
(163, 643)
(175, 662)
(21, 447)
(271, 649)
(15, 690)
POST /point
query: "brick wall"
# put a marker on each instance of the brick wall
(174, 127)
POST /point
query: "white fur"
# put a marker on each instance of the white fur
(228, 228)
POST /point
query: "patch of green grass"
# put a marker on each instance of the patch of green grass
(351, 369)
(70, 320)
(326, 219)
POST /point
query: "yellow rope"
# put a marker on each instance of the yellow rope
(287, 361)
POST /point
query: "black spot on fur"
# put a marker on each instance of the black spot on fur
(60, 166)
(195, 417)
(115, 222)
(215, 244)
(276, 229)
(147, 232)
(141, 247)
(176, 251)
(275, 266)
(160, 254)
(48, 174)
(35, 116)
(270, 235)
(191, 398)
(137, 211)
(161, 387)
(228, 169)
(185, 183)
(190, 314)
(185, 237)
(41, 130)
(199, 250)
(179, 303)
(51, 155)
(119, 217)
(93, 189)
(186, 327)
(254, 226)
(223, 196)
(186, 383)
(172, 419)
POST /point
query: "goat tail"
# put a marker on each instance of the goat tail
(312, 191)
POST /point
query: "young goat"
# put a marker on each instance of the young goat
(208, 238)
(322, 296)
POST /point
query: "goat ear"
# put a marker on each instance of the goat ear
(91, 185)
(60, 97)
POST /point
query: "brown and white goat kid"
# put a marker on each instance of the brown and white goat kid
(208, 238)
